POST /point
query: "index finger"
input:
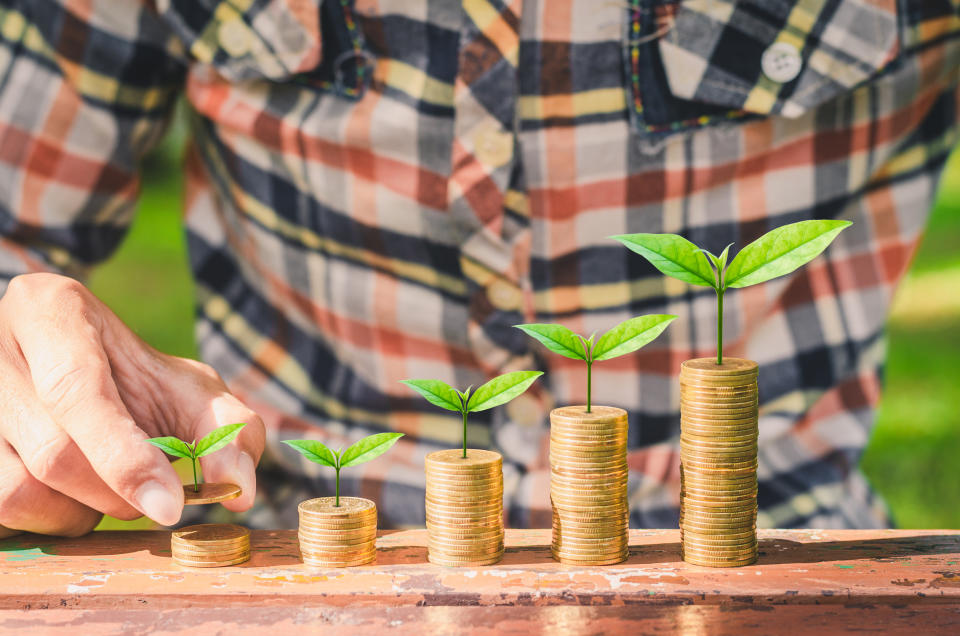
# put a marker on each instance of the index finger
(73, 380)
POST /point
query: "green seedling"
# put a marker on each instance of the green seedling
(625, 338)
(360, 452)
(776, 253)
(214, 441)
(497, 391)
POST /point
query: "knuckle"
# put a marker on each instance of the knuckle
(204, 369)
(41, 295)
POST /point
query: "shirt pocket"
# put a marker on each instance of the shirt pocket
(697, 62)
(315, 42)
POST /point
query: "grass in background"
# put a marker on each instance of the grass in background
(912, 455)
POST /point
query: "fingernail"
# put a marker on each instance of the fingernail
(246, 471)
(158, 503)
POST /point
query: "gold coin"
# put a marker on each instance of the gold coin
(716, 446)
(589, 552)
(209, 493)
(713, 468)
(323, 507)
(211, 564)
(185, 555)
(457, 562)
(577, 415)
(695, 435)
(718, 541)
(600, 485)
(711, 530)
(474, 544)
(721, 392)
(325, 563)
(730, 366)
(472, 485)
(731, 514)
(477, 507)
(733, 552)
(336, 539)
(208, 534)
(719, 456)
(711, 563)
(453, 459)
(718, 496)
(719, 387)
(483, 551)
(442, 523)
(692, 383)
(691, 430)
(561, 535)
(464, 499)
(587, 562)
(327, 528)
(587, 455)
(219, 547)
(465, 533)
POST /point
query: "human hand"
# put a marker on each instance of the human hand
(80, 395)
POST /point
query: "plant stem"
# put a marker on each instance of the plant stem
(719, 326)
(337, 502)
(196, 484)
(464, 433)
(589, 374)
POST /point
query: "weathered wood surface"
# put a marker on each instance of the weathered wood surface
(807, 581)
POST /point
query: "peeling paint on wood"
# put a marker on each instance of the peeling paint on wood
(839, 579)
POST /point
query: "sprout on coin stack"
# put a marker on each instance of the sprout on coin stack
(588, 449)
(718, 397)
(335, 531)
(464, 494)
(209, 544)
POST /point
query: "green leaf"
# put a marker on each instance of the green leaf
(556, 338)
(781, 251)
(218, 438)
(369, 448)
(172, 446)
(501, 390)
(673, 255)
(313, 450)
(630, 335)
(437, 393)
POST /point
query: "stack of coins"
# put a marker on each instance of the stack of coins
(337, 536)
(588, 485)
(718, 457)
(464, 502)
(210, 545)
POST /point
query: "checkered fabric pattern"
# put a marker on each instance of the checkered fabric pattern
(380, 189)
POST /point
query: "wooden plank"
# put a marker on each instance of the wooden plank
(839, 578)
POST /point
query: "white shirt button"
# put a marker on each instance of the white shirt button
(781, 62)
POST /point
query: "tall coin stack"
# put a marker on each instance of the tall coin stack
(718, 462)
(337, 536)
(210, 545)
(464, 503)
(588, 485)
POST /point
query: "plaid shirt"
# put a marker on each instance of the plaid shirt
(380, 190)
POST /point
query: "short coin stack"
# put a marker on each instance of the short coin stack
(337, 536)
(464, 504)
(588, 485)
(210, 545)
(718, 457)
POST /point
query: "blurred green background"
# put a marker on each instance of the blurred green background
(911, 459)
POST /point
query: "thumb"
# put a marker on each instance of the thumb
(211, 405)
